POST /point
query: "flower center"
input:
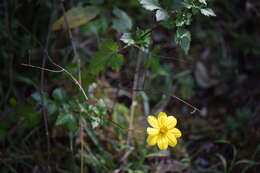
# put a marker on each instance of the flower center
(163, 129)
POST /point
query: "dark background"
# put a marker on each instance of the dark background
(220, 76)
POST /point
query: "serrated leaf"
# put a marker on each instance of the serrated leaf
(183, 39)
(122, 22)
(183, 19)
(127, 39)
(203, 2)
(107, 56)
(76, 17)
(150, 4)
(161, 14)
(207, 12)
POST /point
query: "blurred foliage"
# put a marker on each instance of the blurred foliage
(205, 52)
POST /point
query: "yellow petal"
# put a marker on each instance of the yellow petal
(152, 140)
(171, 122)
(153, 121)
(162, 119)
(152, 131)
(162, 142)
(171, 139)
(176, 132)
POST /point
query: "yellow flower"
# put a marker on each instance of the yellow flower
(163, 131)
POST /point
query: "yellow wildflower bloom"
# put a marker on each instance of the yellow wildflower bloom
(163, 131)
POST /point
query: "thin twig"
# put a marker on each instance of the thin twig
(79, 81)
(55, 64)
(49, 70)
(194, 109)
(45, 116)
(58, 71)
(174, 96)
(134, 93)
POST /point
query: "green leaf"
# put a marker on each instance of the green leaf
(76, 17)
(102, 107)
(116, 61)
(37, 97)
(96, 26)
(142, 39)
(51, 108)
(150, 4)
(59, 94)
(183, 19)
(194, 4)
(183, 39)
(107, 56)
(64, 118)
(203, 2)
(127, 39)
(122, 22)
(161, 14)
(95, 121)
(207, 12)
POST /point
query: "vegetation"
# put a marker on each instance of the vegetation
(80, 78)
